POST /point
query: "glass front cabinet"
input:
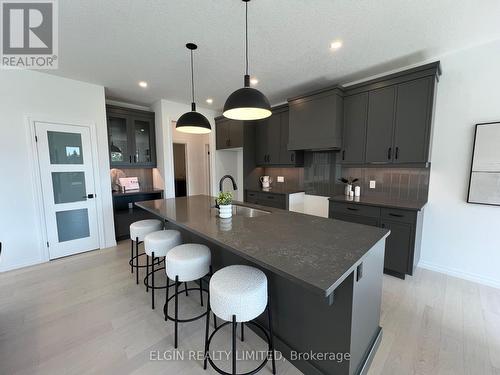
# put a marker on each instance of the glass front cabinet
(131, 137)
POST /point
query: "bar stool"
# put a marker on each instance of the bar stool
(158, 244)
(187, 262)
(138, 231)
(239, 294)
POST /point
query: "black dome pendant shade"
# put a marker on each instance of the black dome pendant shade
(193, 122)
(247, 103)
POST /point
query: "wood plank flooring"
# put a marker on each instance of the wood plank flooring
(85, 315)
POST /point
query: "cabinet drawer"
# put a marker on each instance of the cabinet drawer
(355, 209)
(252, 197)
(366, 220)
(273, 200)
(394, 214)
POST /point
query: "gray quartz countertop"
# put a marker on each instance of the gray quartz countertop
(381, 202)
(316, 252)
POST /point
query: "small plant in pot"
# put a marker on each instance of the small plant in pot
(224, 201)
(348, 183)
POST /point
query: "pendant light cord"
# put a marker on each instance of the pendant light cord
(192, 77)
(246, 36)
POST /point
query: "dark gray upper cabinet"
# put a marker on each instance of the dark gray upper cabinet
(413, 121)
(271, 141)
(228, 133)
(381, 105)
(131, 136)
(354, 133)
(315, 120)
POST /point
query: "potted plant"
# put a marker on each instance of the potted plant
(348, 184)
(224, 201)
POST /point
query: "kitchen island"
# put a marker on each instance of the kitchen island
(325, 276)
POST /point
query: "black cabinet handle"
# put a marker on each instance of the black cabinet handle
(359, 272)
(389, 153)
(135, 158)
(130, 159)
(270, 197)
(292, 157)
(352, 209)
(343, 154)
(383, 225)
(397, 153)
(396, 215)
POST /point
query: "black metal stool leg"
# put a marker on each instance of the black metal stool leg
(131, 256)
(147, 273)
(165, 309)
(215, 321)
(186, 289)
(153, 280)
(176, 323)
(234, 344)
(201, 292)
(207, 323)
(242, 331)
(271, 340)
(137, 260)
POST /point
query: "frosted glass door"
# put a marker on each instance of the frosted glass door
(67, 178)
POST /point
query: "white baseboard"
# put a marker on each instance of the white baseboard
(495, 283)
(26, 263)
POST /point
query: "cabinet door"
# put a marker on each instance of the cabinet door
(261, 141)
(143, 141)
(373, 221)
(354, 134)
(316, 122)
(380, 125)
(120, 155)
(286, 157)
(235, 129)
(397, 245)
(222, 134)
(274, 139)
(413, 120)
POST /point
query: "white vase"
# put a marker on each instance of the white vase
(225, 211)
(348, 189)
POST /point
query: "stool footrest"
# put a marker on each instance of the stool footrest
(183, 320)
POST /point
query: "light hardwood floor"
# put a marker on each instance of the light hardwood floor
(85, 314)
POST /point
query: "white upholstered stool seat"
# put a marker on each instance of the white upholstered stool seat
(238, 290)
(188, 262)
(141, 228)
(161, 242)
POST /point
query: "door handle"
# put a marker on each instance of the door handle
(89, 196)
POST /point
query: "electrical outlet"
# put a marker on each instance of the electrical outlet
(280, 179)
(373, 184)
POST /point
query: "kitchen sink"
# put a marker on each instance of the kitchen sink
(248, 211)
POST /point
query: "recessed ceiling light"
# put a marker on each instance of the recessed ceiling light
(336, 44)
(143, 84)
(209, 100)
(254, 81)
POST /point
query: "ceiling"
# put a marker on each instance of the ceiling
(117, 43)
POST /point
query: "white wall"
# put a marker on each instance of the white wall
(459, 238)
(38, 95)
(197, 174)
(167, 112)
(230, 162)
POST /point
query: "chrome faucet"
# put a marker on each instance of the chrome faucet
(232, 180)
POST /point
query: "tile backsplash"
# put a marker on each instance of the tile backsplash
(294, 177)
(396, 183)
(145, 176)
(321, 172)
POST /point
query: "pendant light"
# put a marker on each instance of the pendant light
(247, 103)
(193, 122)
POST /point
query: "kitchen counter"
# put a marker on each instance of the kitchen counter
(145, 190)
(316, 252)
(324, 276)
(381, 202)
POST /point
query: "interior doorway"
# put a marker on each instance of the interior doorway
(180, 169)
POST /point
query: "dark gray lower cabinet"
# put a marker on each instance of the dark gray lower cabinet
(267, 199)
(402, 248)
(125, 212)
